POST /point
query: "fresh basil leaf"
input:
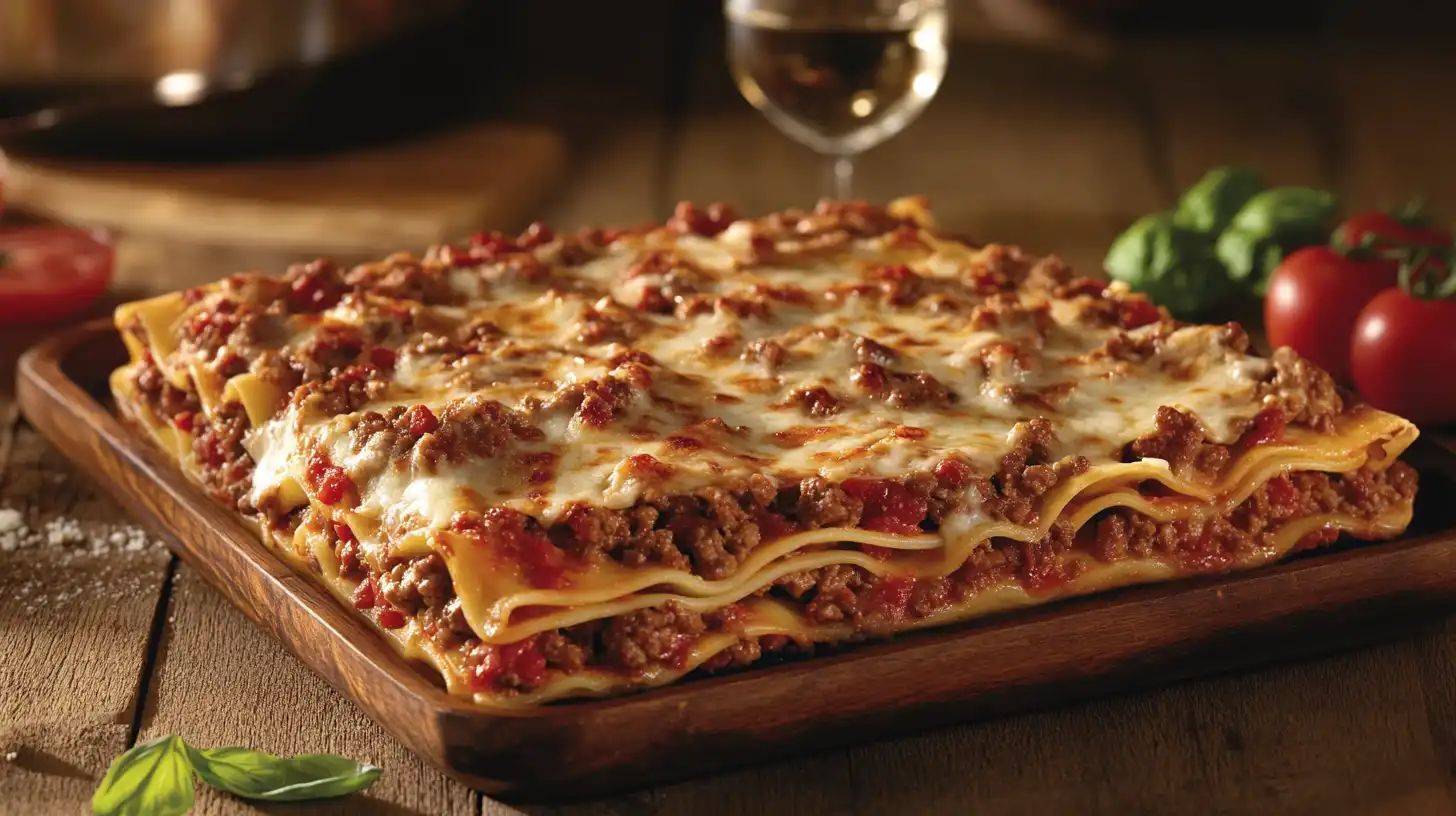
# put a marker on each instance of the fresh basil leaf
(1239, 252)
(1131, 253)
(258, 775)
(1212, 202)
(1269, 227)
(151, 779)
(1172, 265)
(1285, 209)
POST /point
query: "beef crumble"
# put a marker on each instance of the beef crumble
(226, 467)
(1180, 440)
(165, 399)
(1303, 391)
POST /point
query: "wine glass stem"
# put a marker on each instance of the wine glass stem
(842, 169)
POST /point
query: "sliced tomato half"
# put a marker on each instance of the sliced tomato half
(49, 273)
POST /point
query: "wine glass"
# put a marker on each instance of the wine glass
(839, 76)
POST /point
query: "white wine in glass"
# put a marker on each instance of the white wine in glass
(839, 76)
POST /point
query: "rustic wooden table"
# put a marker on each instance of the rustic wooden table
(105, 639)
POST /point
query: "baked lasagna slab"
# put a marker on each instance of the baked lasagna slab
(560, 466)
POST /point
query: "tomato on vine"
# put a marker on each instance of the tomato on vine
(1403, 348)
(1316, 294)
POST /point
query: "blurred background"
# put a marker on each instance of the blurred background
(219, 135)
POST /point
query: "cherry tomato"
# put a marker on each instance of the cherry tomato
(1389, 231)
(1403, 355)
(47, 273)
(1315, 294)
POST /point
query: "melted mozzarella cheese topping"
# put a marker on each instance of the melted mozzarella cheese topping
(714, 415)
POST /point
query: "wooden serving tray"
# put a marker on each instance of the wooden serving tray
(1073, 649)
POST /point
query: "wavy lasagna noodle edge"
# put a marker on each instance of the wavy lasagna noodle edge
(610, 590)
(765, 617)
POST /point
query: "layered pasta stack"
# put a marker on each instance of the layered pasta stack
(571, 466)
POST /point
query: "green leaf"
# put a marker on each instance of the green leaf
(1270, 226)
(1132, 252)
(151, 779)
(1213, 201)
(1172, 265)
(1285, 209)
(257, 775)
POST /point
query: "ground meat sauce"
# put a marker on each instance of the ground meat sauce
(875, 606)
(166, 400)
(344, 393)
(218, 451)
(217, 443)
(913, 389)
(1303, 391)
(1179, 439)
(710, 532)
(466, 430)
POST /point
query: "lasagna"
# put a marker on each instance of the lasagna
(569, 466)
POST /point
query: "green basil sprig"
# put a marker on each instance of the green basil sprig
(156, 778)
(1173, 265)
(1271, 225)
(1210, 205)
(1227, 233)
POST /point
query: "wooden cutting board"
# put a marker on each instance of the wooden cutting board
(379, 199)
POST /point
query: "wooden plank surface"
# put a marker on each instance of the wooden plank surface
(81, 585)
(1056, 151)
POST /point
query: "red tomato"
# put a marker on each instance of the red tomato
(47, 273)
(1403, 355)
(1315, 294)
(1390, 231)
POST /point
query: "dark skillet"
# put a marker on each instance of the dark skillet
(416, 80)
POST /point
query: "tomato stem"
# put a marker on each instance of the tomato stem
(1425, 271)
(1363, 251)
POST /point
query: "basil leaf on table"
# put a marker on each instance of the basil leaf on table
(156, 778)
(1173, 265)
(151, 779)
(1212, 202)
(257, 775)
(1270, 226)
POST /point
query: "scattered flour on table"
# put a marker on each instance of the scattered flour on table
(64, 547)
(77, 536)
(91, 559)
